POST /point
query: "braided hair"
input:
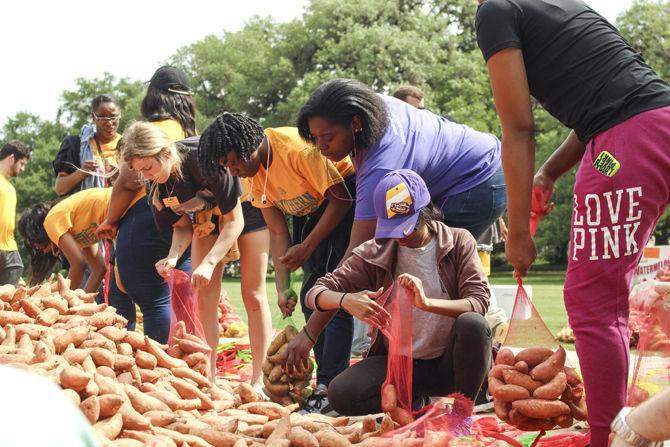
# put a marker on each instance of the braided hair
(31, 229)
(159, 105)
(228, 132)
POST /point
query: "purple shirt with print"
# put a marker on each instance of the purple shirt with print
(450, 157)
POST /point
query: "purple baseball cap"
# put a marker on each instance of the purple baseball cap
(398, 199)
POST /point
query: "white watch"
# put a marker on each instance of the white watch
(621, 428)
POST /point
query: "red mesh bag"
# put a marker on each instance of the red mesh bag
(183, 305)
(649, 313)
(533, 385)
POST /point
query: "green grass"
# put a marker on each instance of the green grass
(547, 297)
(232, 286)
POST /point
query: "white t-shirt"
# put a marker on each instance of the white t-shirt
(429, 330)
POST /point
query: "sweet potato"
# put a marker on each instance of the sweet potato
(99, 343)
(514, 377)
(533, 356)
(148, 376)
(135, 339)
(55, 302)
(174, 402)
(143, 402)
(162, 358)
(110, 428)
(88, 365)
(10, 317)
(277, 389)
(126, 378)
(508, 393)
(521, 366)
(145, 360)
(87, 309)
(34, 331)
(26, 345)
(47, 317)
(102, 357)
(300, 437)
(505, 357)
(540, 408)
(76, 336)
(109, 404)
(10, 336)
(502, 409)
(123, 363)
(74, 378)
(75, 356)
(91, 409)
(270, 409)
(190, 346)
(552, 389)
(401, 416)
(132, 420)
(526, 423)
(328, 438)
(107, 385)
(215, 438)
(125, 442)
(113, 333)
(102, 319)
(389, 398)
(276, 343)
(186, 373)
(30, 307)
(188, 391)
(106, 371)
(282, 429)
(546, 370)
(160, 418)
(279, 355)
(497, 371)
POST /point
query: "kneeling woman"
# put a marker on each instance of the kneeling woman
(451, 341)
(68, 227)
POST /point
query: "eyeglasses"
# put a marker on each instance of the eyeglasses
(113, 119)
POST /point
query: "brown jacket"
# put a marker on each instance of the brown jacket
(371, 266)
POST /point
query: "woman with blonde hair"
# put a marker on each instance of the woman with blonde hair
(177, 191)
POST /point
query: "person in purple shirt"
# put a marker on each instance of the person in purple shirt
(460, 166)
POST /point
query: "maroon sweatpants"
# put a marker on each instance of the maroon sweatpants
(621, 190)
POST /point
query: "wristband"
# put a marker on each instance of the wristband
(316, 303)
(341, 299)
(304, 329)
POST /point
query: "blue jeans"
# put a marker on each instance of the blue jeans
(477, 208)
(139, 245)
(333, 347)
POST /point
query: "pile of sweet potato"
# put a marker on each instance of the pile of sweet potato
(285, 387)
(534, 390)
(135, 393)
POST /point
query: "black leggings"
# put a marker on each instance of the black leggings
(462, 368)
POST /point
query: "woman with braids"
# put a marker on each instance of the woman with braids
(67, 227)
(289, 176)
(84, 160)
(178, 189)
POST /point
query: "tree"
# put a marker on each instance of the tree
(645, 26)
(75, 108)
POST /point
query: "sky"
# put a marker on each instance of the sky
(45, 44)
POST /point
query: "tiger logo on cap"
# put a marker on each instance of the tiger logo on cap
(398, 200)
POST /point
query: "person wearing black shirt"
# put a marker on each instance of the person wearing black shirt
(587, 76)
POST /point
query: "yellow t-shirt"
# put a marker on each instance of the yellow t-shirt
(80, 214)
(172, 128)
(298, 176)
(108, 151)
(245, 183)
(7, 215)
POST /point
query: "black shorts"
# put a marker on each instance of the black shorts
(253, 218)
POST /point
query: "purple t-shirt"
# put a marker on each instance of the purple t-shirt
(450, 157)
